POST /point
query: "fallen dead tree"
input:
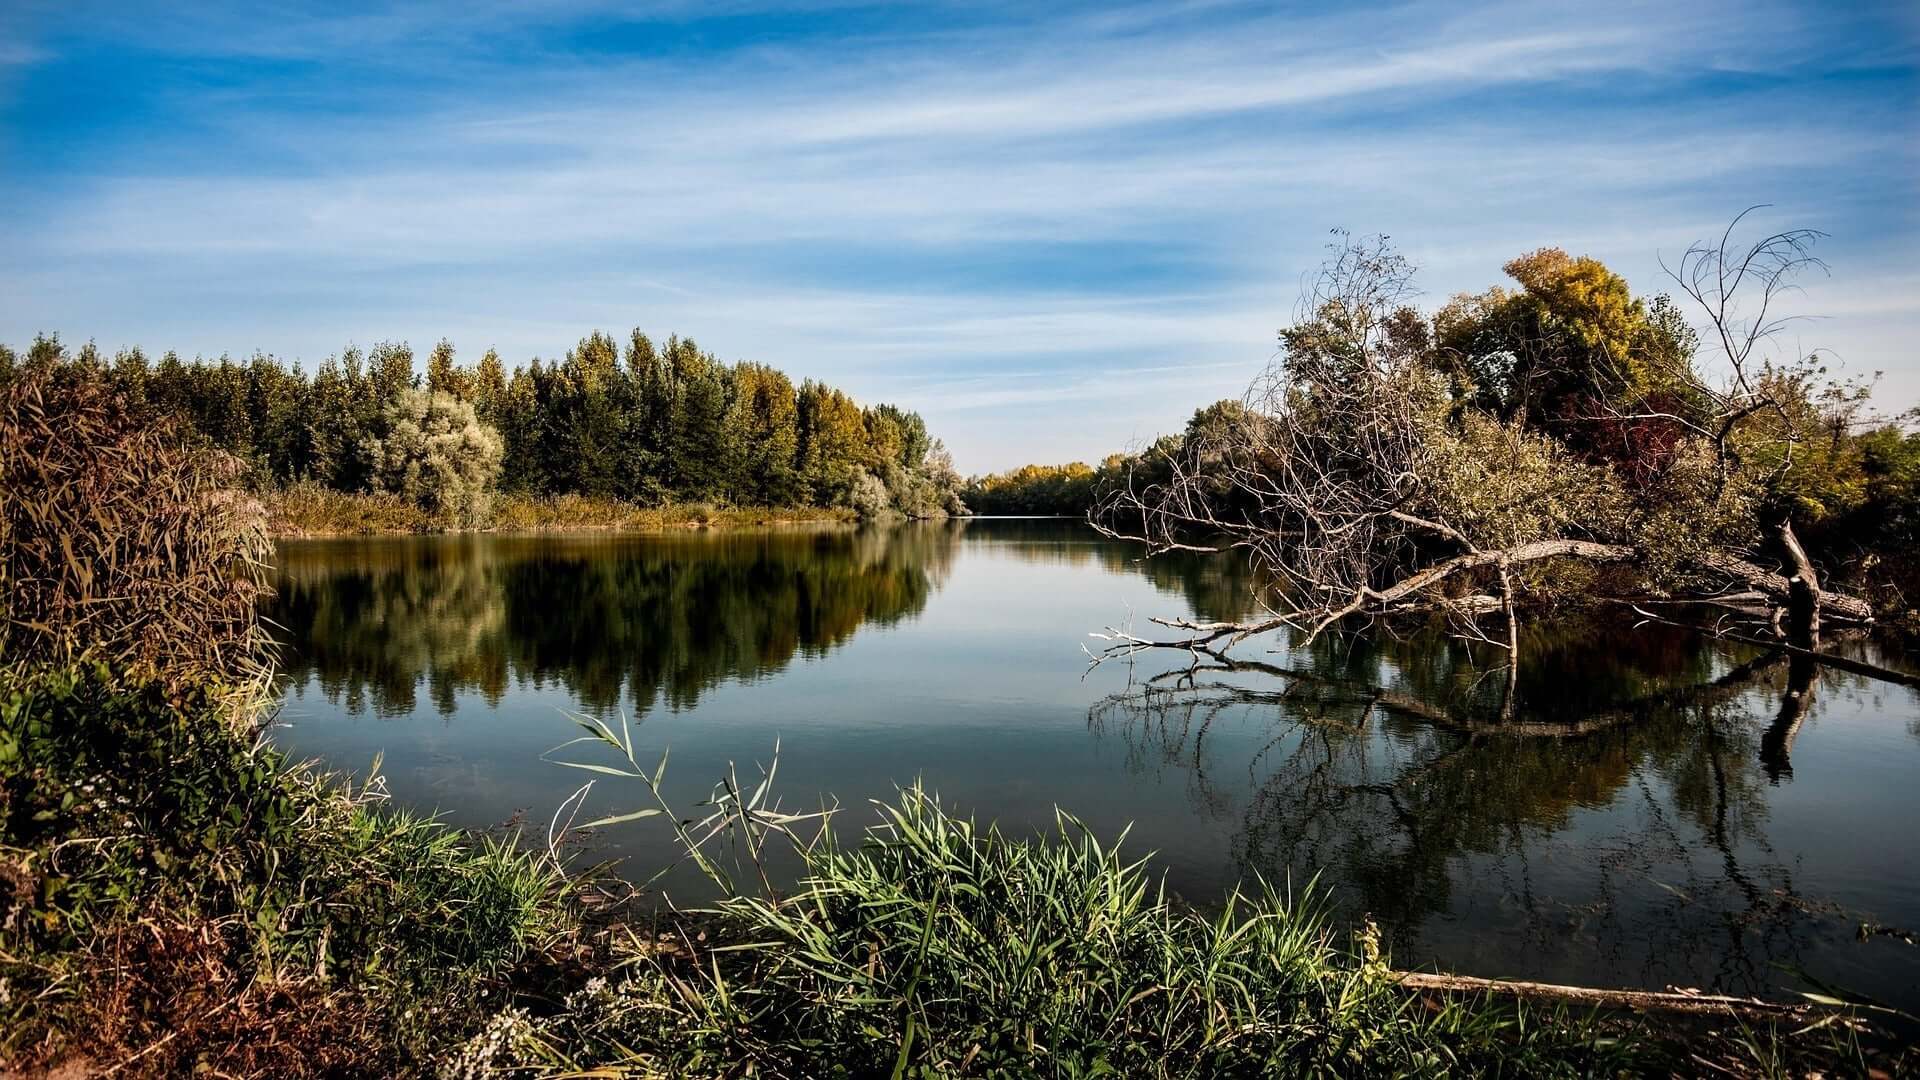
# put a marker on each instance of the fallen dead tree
(1479, 464)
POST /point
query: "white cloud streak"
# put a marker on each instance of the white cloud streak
(880, 210)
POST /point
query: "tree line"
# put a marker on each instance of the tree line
(1074, 489)
(649, 424)
(1068, 490)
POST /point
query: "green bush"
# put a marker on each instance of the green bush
(109, 790)
(436, 454)
(128, 803)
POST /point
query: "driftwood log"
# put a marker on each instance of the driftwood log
(1647, 1001)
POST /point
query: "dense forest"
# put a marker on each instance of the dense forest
(648, 425)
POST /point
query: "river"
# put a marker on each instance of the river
(1680, 814)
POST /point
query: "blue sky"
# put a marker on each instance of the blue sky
(1053, 229)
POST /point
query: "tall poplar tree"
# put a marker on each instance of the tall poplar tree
(443, 376)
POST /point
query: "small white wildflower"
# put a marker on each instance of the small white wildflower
(493, 1050)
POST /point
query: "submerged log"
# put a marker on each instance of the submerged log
(1834, 660)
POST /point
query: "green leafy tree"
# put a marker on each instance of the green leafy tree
(337, 438)
(279, 402)
(1572, 352)
(591, 417)
(443, 375)
(897, 435)
(833, 443)
(884, 438)
(650, 429)
(764, 422)
(130, 376)
(390, 370)
(518, 421)
(868, 495)
(488, 384)
(698, 450)
(943, 478)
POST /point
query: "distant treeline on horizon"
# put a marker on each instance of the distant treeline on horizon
(653, 425)
(1075, 488)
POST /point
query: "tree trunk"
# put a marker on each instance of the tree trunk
(1803, 592)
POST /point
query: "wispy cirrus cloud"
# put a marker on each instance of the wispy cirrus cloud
(1115, 204)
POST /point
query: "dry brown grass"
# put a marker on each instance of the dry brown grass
(523, 513)
(171, 996)
(119, 543)
(312, 510)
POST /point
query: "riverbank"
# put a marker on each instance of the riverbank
(309, 510)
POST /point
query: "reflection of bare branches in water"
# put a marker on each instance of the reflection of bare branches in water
(1636, 841)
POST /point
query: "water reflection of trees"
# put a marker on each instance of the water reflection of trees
(641, 619)
(1383, 766)
(656, 619)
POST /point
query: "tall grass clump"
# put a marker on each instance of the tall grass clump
(935, 946)
(120, 543)
(518, 512)
(939, 947)
(306, 508)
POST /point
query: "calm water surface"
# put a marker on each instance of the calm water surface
(1721, 821)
